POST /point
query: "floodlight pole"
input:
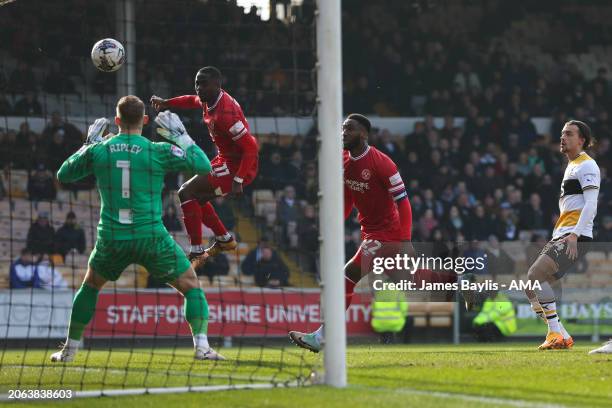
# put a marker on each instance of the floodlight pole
(126, 33)
(329, 114)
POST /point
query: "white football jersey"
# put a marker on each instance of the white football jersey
(581, 174)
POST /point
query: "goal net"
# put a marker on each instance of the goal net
(138, 339)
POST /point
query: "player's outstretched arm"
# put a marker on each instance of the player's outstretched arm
(158, 103)
(78, 165)
(188, 155)
(180, 102)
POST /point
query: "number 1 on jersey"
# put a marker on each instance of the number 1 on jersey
(124, 165)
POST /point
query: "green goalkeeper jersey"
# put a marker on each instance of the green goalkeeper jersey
(129, 171)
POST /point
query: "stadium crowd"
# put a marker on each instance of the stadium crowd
(493, 176)
(268, 63)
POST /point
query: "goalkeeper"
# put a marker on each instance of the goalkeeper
(129, 171)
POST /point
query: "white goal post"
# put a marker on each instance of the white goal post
(329, 114)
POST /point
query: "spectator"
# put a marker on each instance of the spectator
(429, 202)
(70, 236)
(170, 219)
(548, 194)
(454, 223)
(266, 266)
(531, 216)
(41, 184)
(488, 183)
(28, 149)
(28, 106)
(47, 276)
(214, 266)
(308, 187)
(466, 80)
(308, 237)
(272, 173)
(427, 223)
(481, 225)
(498, 261)
(41, 235)
(5, 106)
(72, 135)
(58, 149)
(225, 212)
(288, 213)
(600, 84)
(293, 169)
(506, 229)
(22, 79)
(388, 146)
(23, 270)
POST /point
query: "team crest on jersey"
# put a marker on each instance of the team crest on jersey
(177, 151)
(366, 174)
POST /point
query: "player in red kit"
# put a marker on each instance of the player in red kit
(234, 167)
(373, 185)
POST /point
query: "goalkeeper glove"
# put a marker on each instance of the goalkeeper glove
(171, 128)
(95, 133)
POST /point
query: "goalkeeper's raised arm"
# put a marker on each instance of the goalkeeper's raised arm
(185, 156)
(130, 169)
(188, 155)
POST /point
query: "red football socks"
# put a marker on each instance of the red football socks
(192, 217)
(212, 221)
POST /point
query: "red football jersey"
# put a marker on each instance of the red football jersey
(373, 184)
(227, 127)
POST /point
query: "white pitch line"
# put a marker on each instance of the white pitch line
(466, 397)
(152, 372)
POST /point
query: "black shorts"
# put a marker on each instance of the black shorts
(555, 249)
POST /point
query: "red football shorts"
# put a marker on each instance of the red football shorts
(377, 244)
(222, 175)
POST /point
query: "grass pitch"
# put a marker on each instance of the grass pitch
(497, 375)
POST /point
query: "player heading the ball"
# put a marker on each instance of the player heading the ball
(234, 167)
(129, 171)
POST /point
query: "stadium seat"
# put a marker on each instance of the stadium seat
(18, 183)
(595, 256)
(246, 280)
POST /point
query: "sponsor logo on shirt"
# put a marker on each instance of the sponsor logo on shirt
(359, 186)
(366, 174)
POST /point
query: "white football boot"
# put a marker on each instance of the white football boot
(65, 355)
(202, 353)
(605, 349)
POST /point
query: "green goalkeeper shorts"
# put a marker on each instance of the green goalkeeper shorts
(161, 256)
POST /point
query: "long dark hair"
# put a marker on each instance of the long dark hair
(585, 132)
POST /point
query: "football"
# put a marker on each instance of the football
(108, 55)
